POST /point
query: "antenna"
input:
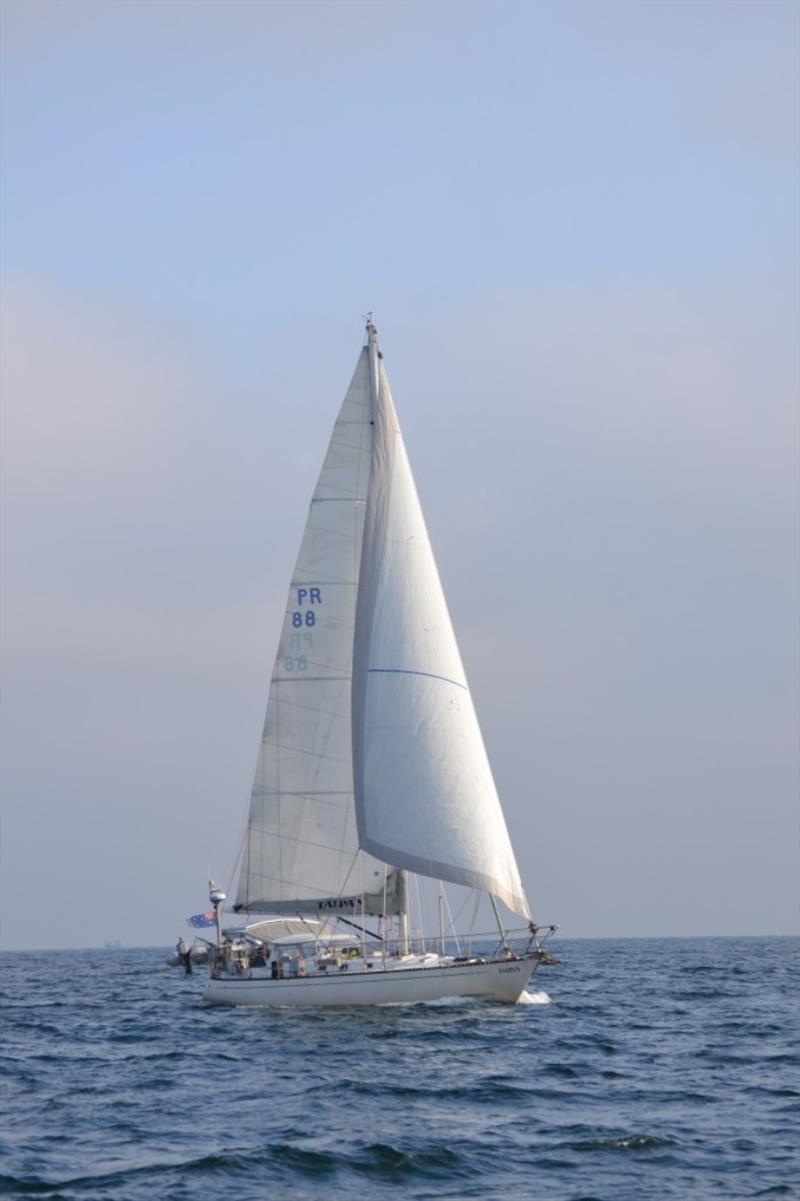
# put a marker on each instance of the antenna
(372, 332)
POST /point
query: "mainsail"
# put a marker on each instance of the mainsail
(301, 851)
(425, 797)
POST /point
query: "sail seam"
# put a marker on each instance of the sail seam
(313, 797)
(403, 671)
(312, 754)
(335, 849)
(304, 792)
(306, 679)
(307, 708)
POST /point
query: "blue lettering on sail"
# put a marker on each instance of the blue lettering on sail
(298, 619)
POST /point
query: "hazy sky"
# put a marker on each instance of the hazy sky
(577, 227)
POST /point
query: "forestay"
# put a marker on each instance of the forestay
(301, 853)
(425, 796)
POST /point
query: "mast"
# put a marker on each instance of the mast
(374, 374)
(374, 382)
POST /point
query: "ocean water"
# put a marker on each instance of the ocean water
(635, 1069)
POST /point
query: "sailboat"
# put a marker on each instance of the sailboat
(372, 771)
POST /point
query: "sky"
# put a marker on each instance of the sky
(576, 224)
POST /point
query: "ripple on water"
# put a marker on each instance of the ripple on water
(119, 1085)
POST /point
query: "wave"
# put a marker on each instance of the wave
(487, 1089)
(139, 1093)
(533, 998)
(625, 1142)
(381, 1160)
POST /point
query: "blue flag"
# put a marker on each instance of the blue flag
(201, 920)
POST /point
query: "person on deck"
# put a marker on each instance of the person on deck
(185, 954)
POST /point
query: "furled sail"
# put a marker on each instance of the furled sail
(301, 852)
(425, 797)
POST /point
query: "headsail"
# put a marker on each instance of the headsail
(301, 851)
(425, 797)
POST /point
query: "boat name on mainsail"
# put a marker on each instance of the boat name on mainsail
(341, 903)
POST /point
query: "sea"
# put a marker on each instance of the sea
(635, 1069)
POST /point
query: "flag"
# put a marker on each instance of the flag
(200, 920)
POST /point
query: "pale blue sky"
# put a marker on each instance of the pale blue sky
(577, 226)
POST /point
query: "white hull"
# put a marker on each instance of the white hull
(503, 981)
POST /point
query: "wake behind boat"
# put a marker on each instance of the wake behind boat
(372, 776)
